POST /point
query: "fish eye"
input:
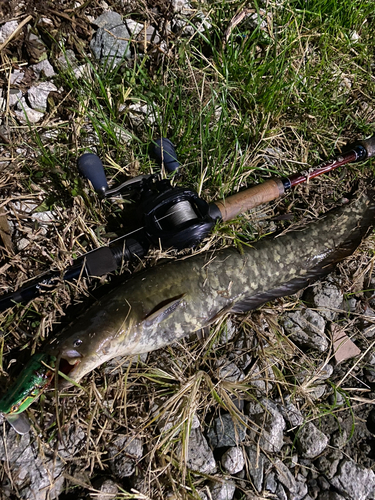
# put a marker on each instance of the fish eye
(77, 343)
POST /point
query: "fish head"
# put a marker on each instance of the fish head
(89, 342)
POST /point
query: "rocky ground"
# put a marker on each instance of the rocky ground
(259, 409)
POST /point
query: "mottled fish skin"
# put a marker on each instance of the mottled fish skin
(168, 302)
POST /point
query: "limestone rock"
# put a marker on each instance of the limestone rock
(124, 452)
(270, 425)
(311, 441)
(306, 329)
(354, 481)
(226, 432)
(233, 460)
(200, 457)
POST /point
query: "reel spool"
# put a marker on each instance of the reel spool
(177, 218)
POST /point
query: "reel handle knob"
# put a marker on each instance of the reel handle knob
(164, 152)
(91, 167)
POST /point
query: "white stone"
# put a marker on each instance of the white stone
(22, 244)
(7, 29)
(233, 460)
(16, 76)
(25, 114)
(141, 113)
(38, 95)
(43, 67)
(15, 96)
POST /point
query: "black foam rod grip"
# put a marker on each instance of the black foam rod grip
(164, 152)
(91, 167)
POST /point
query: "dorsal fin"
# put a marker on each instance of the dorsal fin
(324, 267)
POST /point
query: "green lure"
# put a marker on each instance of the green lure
(34, 378)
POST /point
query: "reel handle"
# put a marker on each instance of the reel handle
(165, 153)
(91, 167)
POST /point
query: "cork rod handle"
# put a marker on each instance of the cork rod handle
(250, 198)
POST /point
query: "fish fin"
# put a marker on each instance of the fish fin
(163, 310)
(220, 314)
(322, 269)
(289, 288)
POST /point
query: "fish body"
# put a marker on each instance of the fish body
(164, 304)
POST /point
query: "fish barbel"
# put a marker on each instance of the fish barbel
(164, 304)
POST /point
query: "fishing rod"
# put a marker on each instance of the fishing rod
(171, 217)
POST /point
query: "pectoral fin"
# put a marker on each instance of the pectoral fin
(163, 310)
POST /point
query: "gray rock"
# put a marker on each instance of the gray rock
(74, 438)
(306, 328)
(280, 492)
(328, 463)
(31, 475)
(172, 424)
(69, 62)
(43, 68)
(261, 377)
(229, 371)
(233, 460)
(106, 489)
(256, 466)
(353, 481)
(188, 27)
(311, 441)
(349, 305)
(324, 372)
(15, 96)
(329, 495)
(108, 20)
(110, 44)
(316, 391)
(22, 244)
(226, 335)
(140, 114)
(181, 6)
(296, 487)
(291, 413)
(223, 490)
(270, 425)
(270, 482)
(336, 399)
(137, 32)
(200, 457)
(7, 29)
(202, 495)
(16, 77)
(327, 298)
(25, 114)
(258, 21)
(224, 432)
(124, 452)
(339, 439)
(122, 135)
(38, 95)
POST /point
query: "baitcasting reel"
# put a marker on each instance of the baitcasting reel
(170, 217)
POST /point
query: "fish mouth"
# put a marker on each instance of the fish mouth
(67, 366)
